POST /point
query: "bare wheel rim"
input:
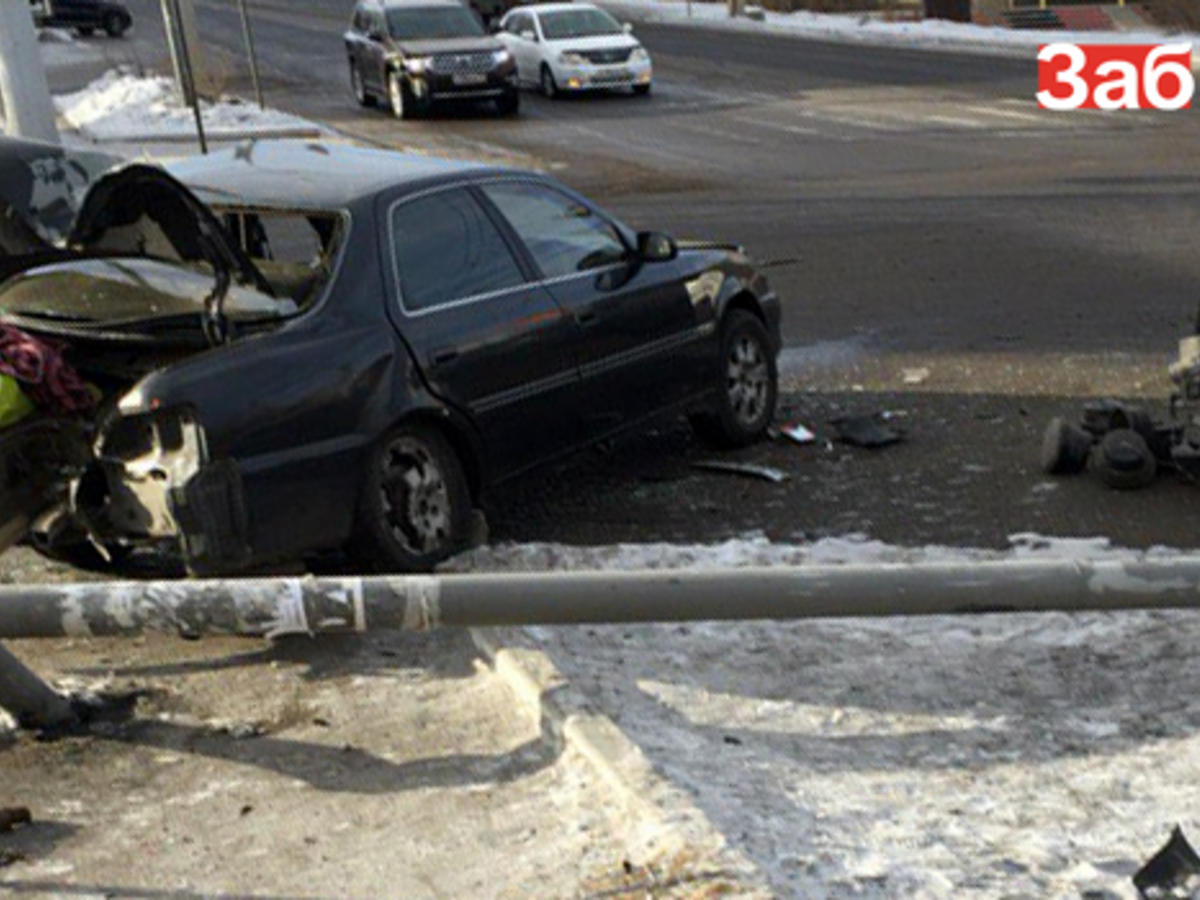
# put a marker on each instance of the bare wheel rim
(396, 95)
(747, 380)
(416, 501)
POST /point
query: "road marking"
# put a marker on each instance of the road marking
(1008, 114)
(956, 122)
(789, 129)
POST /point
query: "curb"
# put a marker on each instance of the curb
(668, 825)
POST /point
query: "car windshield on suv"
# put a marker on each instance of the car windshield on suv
(577, 23)
(419, 23)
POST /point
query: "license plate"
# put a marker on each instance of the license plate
(466, 80)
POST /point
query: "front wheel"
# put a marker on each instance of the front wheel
(85, 30)
(399, 97)
(548, 84)
(748, 384)
(415, 509)
(641, 90)
(508, 103)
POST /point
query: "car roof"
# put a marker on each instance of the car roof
(552, 7)
(306, 174)
(388, 4)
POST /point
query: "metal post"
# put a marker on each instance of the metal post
(278, 606)
(168, 17)
(253, 57)
(33, 702)
(185, 66)
(24, 91)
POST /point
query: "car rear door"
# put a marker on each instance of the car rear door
(490, 340)
(640, 345)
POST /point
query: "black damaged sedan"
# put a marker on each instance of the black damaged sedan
(301, 347)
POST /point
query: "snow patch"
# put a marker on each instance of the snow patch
(120, 105)
(755, 549)
(938, 34)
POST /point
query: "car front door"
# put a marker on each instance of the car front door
(515, 35)
(490, 340)
(641, 346)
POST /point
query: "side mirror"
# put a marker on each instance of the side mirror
(653, 246)
(627, 28)
(528, 35)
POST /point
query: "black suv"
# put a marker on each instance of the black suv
(85, 16)
(412, 53)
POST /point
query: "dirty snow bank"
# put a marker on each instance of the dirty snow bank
(857, 28)
(757, 550)
(120, 105)
(1032, 755)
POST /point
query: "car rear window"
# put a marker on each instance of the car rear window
(447, 249)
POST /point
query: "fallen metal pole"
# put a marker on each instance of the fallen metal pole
(31, 701)
(279, 606)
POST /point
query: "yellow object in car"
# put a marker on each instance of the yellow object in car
(14, 405)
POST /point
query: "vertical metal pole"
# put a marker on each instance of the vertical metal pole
(168, 17)
(249, 35)
(33, 702)
(189, 81)
(24, 91)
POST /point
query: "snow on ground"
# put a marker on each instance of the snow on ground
(1032, 755)
(858, 28)
(756, 550)
(120, 105)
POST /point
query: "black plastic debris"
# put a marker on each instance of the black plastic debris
(1065, 448)
(1123, 460)
(748, 470)
(869, 431)
(1173, 872)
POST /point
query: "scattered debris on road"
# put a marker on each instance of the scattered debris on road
(797, 433)
(869, 431)
(13, 817)
(1174, 871)
(749, 470)
(1122, 444)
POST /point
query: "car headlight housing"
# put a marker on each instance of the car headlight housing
(416, 65)
(568, 58)
(501, 57)
(639, 55)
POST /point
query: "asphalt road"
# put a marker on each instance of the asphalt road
(917, 211)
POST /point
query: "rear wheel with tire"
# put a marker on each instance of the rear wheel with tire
(359, 88)
(745, 401)
(115, 25)
(548, 84)
(415, 508)
(85, 30)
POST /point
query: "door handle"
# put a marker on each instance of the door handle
(444, 355)
(586, 317)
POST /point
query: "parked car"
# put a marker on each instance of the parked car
(298, 347)
(574, 47)
(413, 53)
(84, 16)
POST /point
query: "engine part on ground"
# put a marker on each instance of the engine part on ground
(1123, 460)
(1065, 448)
